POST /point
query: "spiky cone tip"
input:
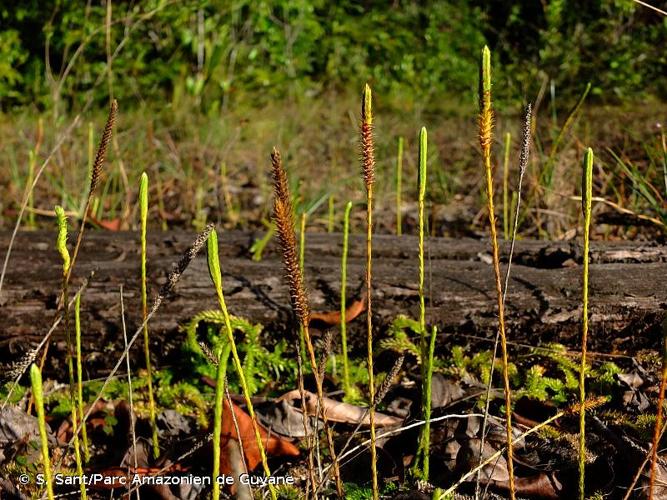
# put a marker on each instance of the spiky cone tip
(367, 147)
(485, 113)
(284, 219)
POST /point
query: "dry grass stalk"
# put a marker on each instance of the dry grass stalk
(368, 170)
(284, 218)
(485, 124)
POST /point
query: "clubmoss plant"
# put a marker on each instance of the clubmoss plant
(399, 186)
(216, 277)
(38, 394)
(516, 205)
(421, 464)
(506, 177)
(61, 246)
(143, 209)
(485, 139)
(283, 214)
(368, 169)
(586, 203)
(79, 376)
(343, 299)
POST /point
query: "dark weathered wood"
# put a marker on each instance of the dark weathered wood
(628, 291)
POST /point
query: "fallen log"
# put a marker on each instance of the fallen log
(627, 287)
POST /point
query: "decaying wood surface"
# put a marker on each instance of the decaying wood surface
(628, 289)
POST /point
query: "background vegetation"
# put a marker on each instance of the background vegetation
(207, 88)
(221, 51)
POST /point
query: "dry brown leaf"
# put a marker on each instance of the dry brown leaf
(340, 412)
(332, 318)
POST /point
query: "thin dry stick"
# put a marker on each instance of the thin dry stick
(129, 384)
(523, 165)
(658, 420)
(649, 6)
(485, 140)
(284, 219)
(368, 169)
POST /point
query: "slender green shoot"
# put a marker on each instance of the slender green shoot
(421, 464)
(216, 278)
(485, 124)
(61, 246)
(506, 177)
(586, 202)
(38, 394)
(399, 186)
(332, 215)
(222, 356)
(143, 208)
(79, 376)
(343, 300)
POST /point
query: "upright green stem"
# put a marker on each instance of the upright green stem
(486, 139)
(79, 376)
(38, 393)
(223, 357)
(506, 176)
(61, 246)
(399, 186)
(423, 346)
(343, 299)
(216, 277)
(426, 434)
(587, 190)
(143, 205)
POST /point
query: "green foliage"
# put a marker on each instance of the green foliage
(261, 366)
